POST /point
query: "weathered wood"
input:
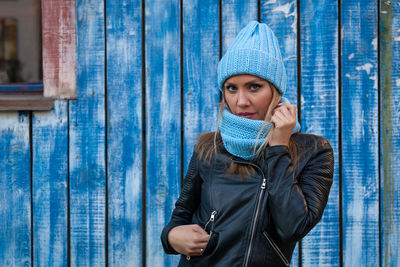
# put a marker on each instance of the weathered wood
(15, 190)
(163, 122)
(50, 186)
(319, 115)
(200, 61)
(59, 48)
(87, 141)
(281, 16)
(390, 132)
(319, 78)
(25, 102)
(360, 164)
(124, 133)
(235, 15)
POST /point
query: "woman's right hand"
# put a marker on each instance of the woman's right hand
(189, 240)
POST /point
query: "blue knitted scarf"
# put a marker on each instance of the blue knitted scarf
(239, 134)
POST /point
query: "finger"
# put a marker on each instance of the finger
(203, 238)
(280, 123)
(276, 122)
(276, 108)
(281, 118)
(292, 110)
(286, 106)
(290, 114)
(198, 229)
(200, 246)
(196, 251)
(196, 246)
(200, 239)
(290, 107)
(285, 112)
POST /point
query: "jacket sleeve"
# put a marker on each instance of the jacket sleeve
(186, 204)
(297, 203)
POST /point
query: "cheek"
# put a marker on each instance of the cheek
(263, 102)
(229, 101)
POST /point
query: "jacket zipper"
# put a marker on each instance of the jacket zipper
(277, 250)
(253, 227)
(212, 218)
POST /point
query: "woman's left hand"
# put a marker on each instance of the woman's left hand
(284, 121)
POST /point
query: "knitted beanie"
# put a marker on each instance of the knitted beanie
(254, 51)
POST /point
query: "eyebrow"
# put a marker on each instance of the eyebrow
(248, 83)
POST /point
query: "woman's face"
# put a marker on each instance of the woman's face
(248, 96)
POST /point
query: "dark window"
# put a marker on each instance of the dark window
(20, 46)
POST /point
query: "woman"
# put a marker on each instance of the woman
(256, 186)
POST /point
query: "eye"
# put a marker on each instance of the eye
(230, 88)
(255, 87)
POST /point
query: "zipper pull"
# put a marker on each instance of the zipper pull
(264, 183)
(212, 217)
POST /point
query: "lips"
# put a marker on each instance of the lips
(247, 115)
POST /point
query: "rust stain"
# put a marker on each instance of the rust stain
(386, 127)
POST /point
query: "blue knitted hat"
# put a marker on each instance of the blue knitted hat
(254, 51)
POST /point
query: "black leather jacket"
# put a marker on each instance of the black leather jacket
(258, 220)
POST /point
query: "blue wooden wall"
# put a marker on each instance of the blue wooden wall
(93, 181)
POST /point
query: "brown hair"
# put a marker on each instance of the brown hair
(208, 142)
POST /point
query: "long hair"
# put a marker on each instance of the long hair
(209, 142)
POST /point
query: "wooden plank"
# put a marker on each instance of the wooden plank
(281, 16)
(200, 61)
(360, 164)
(235, 15)
(25, 102)
(163, 123)
(15, 190)
(59, 48)
(50, 186)
(390, 132)
(319, 115)
(87, 141)
(124, 134)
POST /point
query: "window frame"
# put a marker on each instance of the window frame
(59, 52)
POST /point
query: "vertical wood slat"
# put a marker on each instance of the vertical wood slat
(59, 48)
(50, 186)
(200, 60)
(281, 16)
(15, 231)
(390, 131)
(87, 141)
(360, 159)
(124, 138)
(235, 15)
(15, 190)
(319, 115)
(163, 122)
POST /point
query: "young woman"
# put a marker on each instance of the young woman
(256, 186)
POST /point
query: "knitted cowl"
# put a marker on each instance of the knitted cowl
(239, 134)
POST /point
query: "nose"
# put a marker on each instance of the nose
(243, 100)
